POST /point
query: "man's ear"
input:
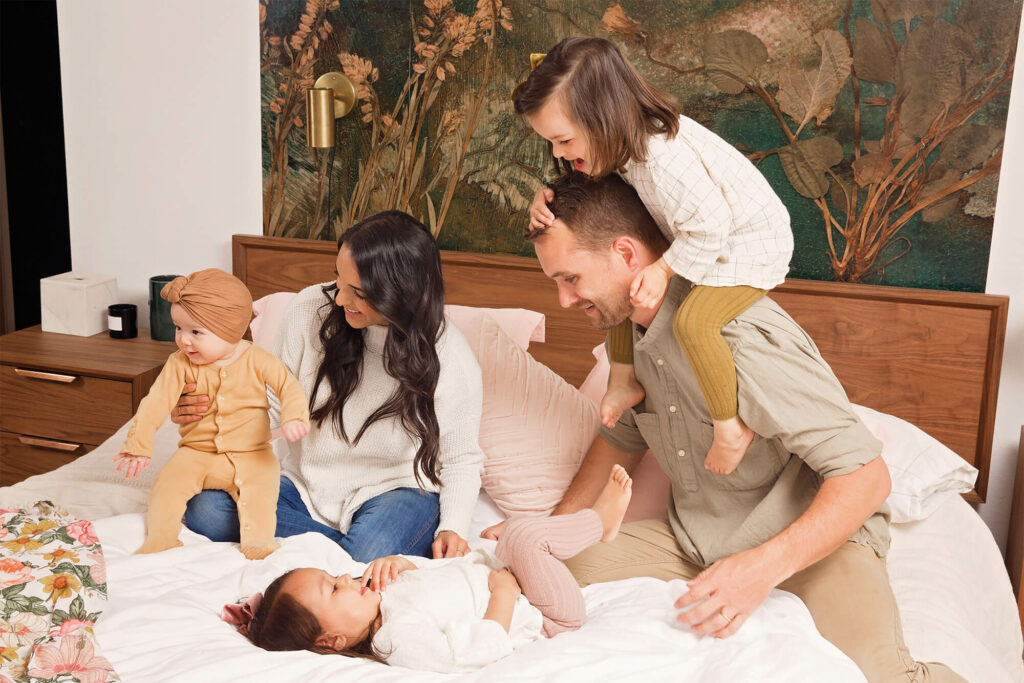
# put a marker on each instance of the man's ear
(629, 250)
(331, 641)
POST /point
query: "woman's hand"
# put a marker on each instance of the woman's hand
(189, 408)
(502, 580)
(449, 544)
(540, 214)
(133, 464)
(383, 571)
(494, 532)
(293, 430)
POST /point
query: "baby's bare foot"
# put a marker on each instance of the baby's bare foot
(611, 505)
(732, 437)
(617, 400)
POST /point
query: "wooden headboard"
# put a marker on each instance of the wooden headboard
(929, 357)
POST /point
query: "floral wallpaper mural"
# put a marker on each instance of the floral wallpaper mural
(879, 122)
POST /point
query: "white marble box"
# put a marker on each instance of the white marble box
(76, 303)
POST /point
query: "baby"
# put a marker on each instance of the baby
(228, 449)
(451, 615)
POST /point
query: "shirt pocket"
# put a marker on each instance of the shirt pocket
(759, 468)
(678, 465)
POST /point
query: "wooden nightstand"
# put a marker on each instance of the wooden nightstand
(62, 395)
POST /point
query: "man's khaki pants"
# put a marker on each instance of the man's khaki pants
(847, 593)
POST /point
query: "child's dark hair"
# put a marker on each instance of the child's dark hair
(616, 108)
(281, 623)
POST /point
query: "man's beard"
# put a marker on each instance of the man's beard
(611, 314)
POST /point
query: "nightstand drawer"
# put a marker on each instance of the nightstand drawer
(62, 406)
(21, 456)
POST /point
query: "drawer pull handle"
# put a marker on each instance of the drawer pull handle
(48, 443)
(49, 376)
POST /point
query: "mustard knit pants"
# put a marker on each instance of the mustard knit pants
(252, 479)
(698, 327)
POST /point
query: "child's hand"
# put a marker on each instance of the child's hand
(133, 464)
(383, 571)
(294, 430)
(650, 284)
(503, 580)
(540, 214)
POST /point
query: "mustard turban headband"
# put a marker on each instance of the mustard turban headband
(215, 300)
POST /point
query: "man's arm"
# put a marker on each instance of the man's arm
(736, 585)
(593, 475)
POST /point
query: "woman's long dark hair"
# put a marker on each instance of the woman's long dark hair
(399, 268)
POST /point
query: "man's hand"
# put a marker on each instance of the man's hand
(540, 214)
(726, 593)
(293, 430)
(189, 408)
(133, 464)
(449, 544)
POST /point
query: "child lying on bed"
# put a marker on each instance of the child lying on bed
(451, 615)
(229, 448)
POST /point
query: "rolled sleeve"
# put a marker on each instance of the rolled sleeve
(788, 393)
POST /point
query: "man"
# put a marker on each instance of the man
(805, 509)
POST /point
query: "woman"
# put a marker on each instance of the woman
(392, 463)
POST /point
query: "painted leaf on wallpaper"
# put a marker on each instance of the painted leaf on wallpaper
(811, 93)
(732, 58)
(878, 122)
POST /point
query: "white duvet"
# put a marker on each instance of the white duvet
(162, 622)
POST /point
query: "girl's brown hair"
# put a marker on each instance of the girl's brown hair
(282, 623)
(616, 108)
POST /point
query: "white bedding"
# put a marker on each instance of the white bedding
(162, 621)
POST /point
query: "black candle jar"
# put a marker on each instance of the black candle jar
(122, 319)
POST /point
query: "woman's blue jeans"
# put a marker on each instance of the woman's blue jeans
(399, 522)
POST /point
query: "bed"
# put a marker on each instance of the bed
(930, 358)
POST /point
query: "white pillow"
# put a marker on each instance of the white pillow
(925, 473)
(522, 325)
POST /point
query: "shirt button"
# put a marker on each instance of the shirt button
(661, 361)
(223, 373)
(671, 409)
(681, 453)
(238, 482)
(242, 503)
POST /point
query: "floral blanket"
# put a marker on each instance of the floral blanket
(53, 587)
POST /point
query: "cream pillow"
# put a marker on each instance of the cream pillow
(522, 325)
(535, 428)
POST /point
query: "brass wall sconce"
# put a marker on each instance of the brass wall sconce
(331, 97)
(536, 58)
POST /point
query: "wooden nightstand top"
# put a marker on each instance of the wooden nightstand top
(98, 355)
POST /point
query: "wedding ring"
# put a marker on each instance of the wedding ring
(727, 618)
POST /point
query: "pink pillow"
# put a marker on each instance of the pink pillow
(522, 325)
(536, 427)
(651, 488)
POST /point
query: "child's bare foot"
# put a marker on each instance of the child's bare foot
(732, 437)
(611, 505)
(623, 393)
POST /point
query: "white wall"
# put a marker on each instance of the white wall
(162, 134)
(1006, 276)
(162, 129)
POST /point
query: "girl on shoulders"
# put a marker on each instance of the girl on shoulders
(729, 232)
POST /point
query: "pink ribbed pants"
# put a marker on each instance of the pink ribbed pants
(533, 548)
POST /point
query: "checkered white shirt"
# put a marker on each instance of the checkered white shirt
(726, 224)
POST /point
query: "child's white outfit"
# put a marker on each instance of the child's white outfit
(433, 617)
(696, 185)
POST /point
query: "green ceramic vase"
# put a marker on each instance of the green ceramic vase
(161, 327)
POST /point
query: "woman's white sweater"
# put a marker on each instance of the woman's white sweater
(335, 478)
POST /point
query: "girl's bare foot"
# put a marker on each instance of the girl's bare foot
(611, 505)
(623, 393)
(732, 437)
